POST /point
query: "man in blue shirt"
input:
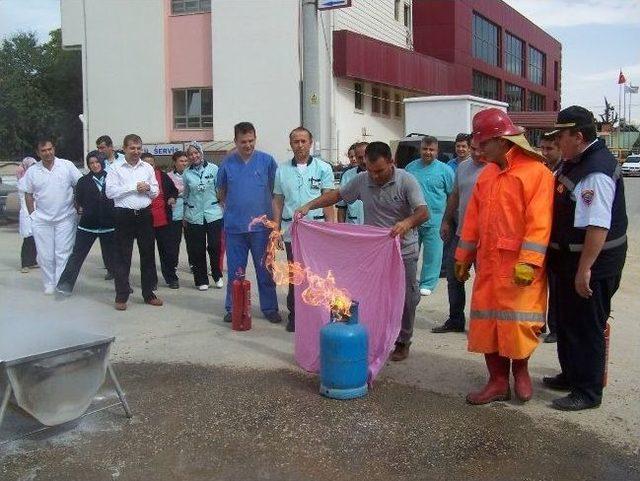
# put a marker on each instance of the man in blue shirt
(353, 213)
(436, 181)
(245, 188)
(463, 150)
(299, 181)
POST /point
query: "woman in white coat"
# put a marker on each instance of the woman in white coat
(28, 252)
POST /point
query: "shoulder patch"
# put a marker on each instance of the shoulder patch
(587, 196)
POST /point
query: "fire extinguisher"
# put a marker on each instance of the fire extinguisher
(241, 300)
(607, 334)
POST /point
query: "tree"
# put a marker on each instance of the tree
(40, 95)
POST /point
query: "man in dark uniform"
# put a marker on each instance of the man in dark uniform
(587, 252)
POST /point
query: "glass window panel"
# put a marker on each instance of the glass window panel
(207, 102)
(536, 66)
(514, 97)
(536, 102)
(397, 106)
(486, 40)
(375, 100)
(179, 103)
(486, 86)
(194, 103)
(357, 97)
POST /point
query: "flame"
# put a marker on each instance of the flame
(320, 291)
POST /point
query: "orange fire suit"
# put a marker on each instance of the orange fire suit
(508, 221)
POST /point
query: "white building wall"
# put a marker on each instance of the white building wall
(125, 66)
(376, 19)
(256, 70)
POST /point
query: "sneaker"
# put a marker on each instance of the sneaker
(219, 283)
(425, 292)
(50, 290)
(120, 306)
(227, 317)
(108, 276)
(551, 338)
(24, 270)
(203, 287)
(558, 382)
(63, 289)
(273, 317)
(174, 285)
(401, 352)
(574, 402)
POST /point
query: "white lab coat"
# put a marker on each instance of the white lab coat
(24, 219)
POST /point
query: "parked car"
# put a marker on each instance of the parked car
(631, 166)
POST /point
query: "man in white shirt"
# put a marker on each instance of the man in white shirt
(132, 185)
(104, 144)
(49, 184)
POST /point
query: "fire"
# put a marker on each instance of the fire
(320, 291)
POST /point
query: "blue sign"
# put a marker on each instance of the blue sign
(329, 4)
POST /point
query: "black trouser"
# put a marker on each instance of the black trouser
(134, 224)
(176, 238)
(455, 288)
(28, 252)
(203, 238)
(581, 324)
(291, 299)
(81, 247)
(167, 251)
(552, 304)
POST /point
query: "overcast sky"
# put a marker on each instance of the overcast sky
(599, 37)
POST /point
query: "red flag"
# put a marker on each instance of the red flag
(621, 78)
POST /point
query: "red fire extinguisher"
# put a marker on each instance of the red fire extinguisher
(607, 334)
(241, 300)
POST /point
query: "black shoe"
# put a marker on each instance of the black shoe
(573, 402)
(291, 325)
(174, 285)
(551, 338)
(130, 290)
(63, 289)
(446, 327)
(108, 276)
(227, 317)
(559, 382)
(273, 317)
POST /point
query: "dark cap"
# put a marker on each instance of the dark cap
(574, 117)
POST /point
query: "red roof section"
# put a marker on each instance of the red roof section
(545, 119)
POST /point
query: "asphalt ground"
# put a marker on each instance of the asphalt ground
(210, 403)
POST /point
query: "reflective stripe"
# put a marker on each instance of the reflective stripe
(532, 246)
(564, 180)
(606, 246)
(518, 316)
(466, 245)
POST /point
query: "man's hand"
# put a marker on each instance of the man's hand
(523, 274)
(445, 230)
(583, 279)
(301, 212)
(142, 187)
(171, 201)
(401, 228)
(79, 210)
(461, 271)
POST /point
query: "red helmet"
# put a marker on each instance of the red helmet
(492, 123)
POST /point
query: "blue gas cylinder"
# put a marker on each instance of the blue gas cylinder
(344, 348)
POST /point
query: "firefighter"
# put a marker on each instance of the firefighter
(505, 232)
(587, 253)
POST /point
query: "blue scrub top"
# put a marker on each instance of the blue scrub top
(355, 209)
(249, 190)
(200, 198)
(436, 182)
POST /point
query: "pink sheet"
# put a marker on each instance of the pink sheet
(365, 261)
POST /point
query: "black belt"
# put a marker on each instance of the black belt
(134, 211)
(315, 217)
(612, 244)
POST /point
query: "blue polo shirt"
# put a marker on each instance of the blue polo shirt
(249, 190)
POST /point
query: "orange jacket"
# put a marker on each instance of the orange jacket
(508, 221)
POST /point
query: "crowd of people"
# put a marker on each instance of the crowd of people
(544, 232)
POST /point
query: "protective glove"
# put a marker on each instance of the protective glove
(461, 270)
(523, 274)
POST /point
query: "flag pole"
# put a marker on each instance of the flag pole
(619, 111)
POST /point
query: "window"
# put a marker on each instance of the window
(486, 86)
(192, 109)
(396, 9)
(386, 107)
(533, 136)
(375, 100)
(358, 96)
(407, 16)
(486, 40)
(536, 102)
(556, 76)
(190, 6)
(514, 96)
(514, 55)
(397, 106)
(536, 66)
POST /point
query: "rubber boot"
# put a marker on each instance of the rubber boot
(522, 381)
(497, 389)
